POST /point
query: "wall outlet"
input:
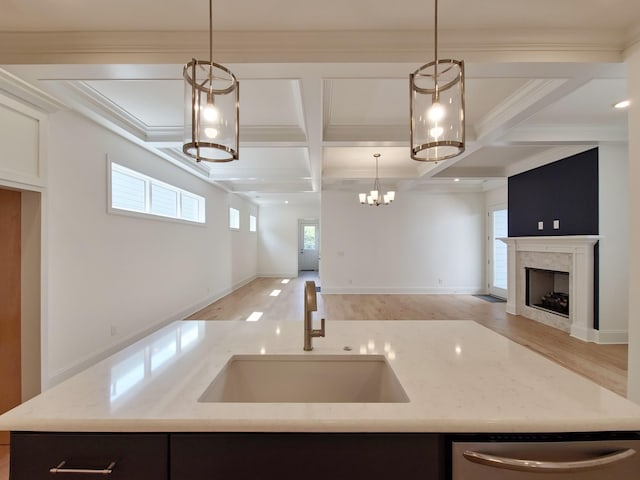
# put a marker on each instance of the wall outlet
(540, 225)
(556, 224)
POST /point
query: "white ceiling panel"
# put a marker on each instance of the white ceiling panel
(589, 104)
(156, 103)
(368, 101)
(271, 102)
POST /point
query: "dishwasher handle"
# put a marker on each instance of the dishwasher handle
(523, 465)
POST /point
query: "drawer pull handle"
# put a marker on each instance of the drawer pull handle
(542, 466)
(98, 471)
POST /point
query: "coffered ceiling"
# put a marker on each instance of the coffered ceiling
(324, 85)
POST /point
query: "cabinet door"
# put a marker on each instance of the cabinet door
(304, 455)
(136, 456)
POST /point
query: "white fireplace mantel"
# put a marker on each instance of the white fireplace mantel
(581, 276)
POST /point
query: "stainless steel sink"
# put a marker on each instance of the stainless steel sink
(306, 379)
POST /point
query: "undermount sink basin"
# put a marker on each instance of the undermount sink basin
(306, 379)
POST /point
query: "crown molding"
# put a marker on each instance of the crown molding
(311, 46)
(26, 92)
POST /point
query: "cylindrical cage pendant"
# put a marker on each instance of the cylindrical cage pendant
(437, 111)
(212, 112)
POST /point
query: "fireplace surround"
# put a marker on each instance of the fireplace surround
(571, 254)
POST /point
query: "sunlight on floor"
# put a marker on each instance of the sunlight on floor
(254, 317)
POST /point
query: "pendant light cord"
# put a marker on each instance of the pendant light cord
(435, 52)
(210, 31)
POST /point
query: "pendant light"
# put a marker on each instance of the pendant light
(437, 107)
(375, 196)
(211, 127)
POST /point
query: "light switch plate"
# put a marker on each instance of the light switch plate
(540, 225)
(556, 224)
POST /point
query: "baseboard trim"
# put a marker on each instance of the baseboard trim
(400, 291)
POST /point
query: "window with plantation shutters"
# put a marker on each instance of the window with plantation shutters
(132, 191)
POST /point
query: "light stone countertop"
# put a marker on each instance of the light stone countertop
(459, 376)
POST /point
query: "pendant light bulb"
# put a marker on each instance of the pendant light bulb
(211, 112)
(211, 132)
(436, 132)
(436, 112)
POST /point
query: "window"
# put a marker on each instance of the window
(252, 223)
(309, 238)
(234, 218)
(133, 191)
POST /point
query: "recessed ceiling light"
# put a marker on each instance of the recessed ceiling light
(286, 201)
(456, 179)
(622, 104)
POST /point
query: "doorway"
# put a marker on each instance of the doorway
(308, 245)
(20, 297)
(498, 226)
(10, 345)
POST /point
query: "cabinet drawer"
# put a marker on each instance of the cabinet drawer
(312, 456)
(136, 456)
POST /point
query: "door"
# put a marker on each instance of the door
(308, 241)
(10, 302)
(498, 226)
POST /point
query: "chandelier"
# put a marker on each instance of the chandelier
(437, 107)
(375, 196)
(211, 126)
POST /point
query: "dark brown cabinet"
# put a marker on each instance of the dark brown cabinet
(310, 456)
(195, 456)
(135, 456)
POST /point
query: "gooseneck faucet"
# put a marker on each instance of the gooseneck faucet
(310, 305)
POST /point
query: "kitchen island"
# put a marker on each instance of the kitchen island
(459, 377)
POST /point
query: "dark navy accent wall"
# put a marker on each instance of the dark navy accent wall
(566, 190)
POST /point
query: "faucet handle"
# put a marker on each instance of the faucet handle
(321, 332)
(310, 296)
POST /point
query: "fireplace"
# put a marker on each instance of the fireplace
(547, 290)
(572, 254)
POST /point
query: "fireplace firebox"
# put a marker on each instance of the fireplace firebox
(548, 290)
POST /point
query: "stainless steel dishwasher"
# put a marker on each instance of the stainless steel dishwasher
(617, 459)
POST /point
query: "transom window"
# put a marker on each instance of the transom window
(234, 218)
(132, 191)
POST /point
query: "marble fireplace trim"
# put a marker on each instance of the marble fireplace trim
(573, 254)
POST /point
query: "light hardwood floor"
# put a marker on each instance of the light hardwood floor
(606, 365)
(603, 364)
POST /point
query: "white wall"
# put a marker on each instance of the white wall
(114, 277)
(613, 168)
(497, 197)
(421, 243)
(278, 233)
(633, 82)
